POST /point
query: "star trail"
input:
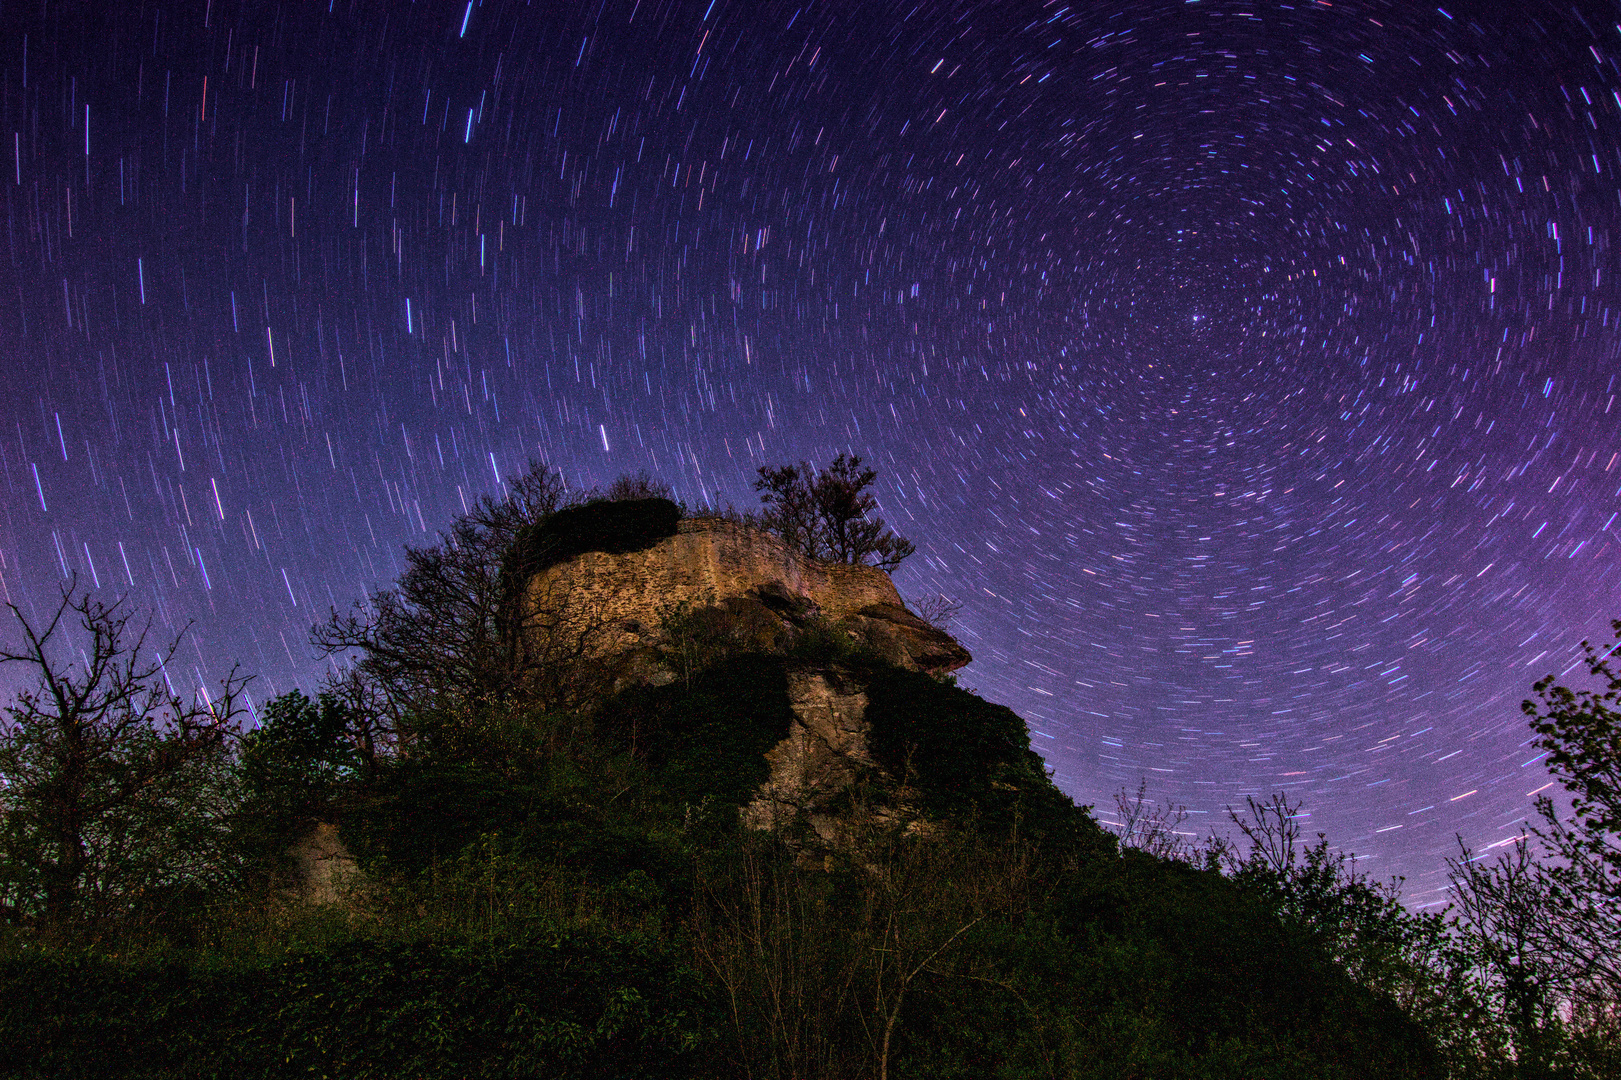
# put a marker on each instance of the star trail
(1247, 370)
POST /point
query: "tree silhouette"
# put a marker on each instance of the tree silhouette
(826, 514)
(107, 773)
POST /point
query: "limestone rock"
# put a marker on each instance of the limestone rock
(906, 640)
(765, 588)
(324, 872)
(823, 755)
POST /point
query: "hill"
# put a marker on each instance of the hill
(728, 815)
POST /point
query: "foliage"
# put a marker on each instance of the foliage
(611, 525)
(825, 514)
(965, 755)
(1581, 732)
(556, 1004)
(112, 791)
(1191, 974)
(704, 740)
(301, 756)
(1545, 932)
(963, 955)
(1411, 958)
(1504, 914)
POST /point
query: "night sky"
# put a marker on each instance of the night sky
(1247, 370)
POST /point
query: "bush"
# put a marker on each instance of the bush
(561, 1005)
(704, 740)
(967, 757)
(613, 526)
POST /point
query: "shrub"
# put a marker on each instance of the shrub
(613, 526)
(704, 740)
(965, 755)
(560, 1005)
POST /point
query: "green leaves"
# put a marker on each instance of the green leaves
(565, 1004)
(964, 755)
(301, 753)
(1581, 732)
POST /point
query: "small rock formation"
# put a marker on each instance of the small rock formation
(323, 870)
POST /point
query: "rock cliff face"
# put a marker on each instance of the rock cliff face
(825, 752)
(720, 578)
(713, 563)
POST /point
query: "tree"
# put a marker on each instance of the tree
(1544, 927)
(461, 631)
(1357, 922)
(453, 630)
(301, 756)
(111, 782)
(1581, 732)
(824, 514)
(1504, 915)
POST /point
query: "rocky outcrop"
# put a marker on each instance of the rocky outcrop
(824, 754)
(679, 602)
(713, 563)
(323, 870)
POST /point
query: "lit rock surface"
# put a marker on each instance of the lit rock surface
(714, 563)
(324, 872)
(824, 753)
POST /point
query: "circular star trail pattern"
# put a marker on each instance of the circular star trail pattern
(1247, 370)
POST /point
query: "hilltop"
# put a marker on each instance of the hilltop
(627, 792)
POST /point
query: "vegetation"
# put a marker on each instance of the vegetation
(112, 786)
(827, 513)
(555, 880)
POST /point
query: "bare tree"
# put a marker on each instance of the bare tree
(1505, 912)
(790, 507)
(453, 629)
(940, 611)
(461, 629)
(639, 485)
(1151, 827)
(106, 771)
(1273, 830)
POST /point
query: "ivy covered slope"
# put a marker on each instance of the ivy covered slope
(565, 869)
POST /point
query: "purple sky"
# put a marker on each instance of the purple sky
(1246, 369)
